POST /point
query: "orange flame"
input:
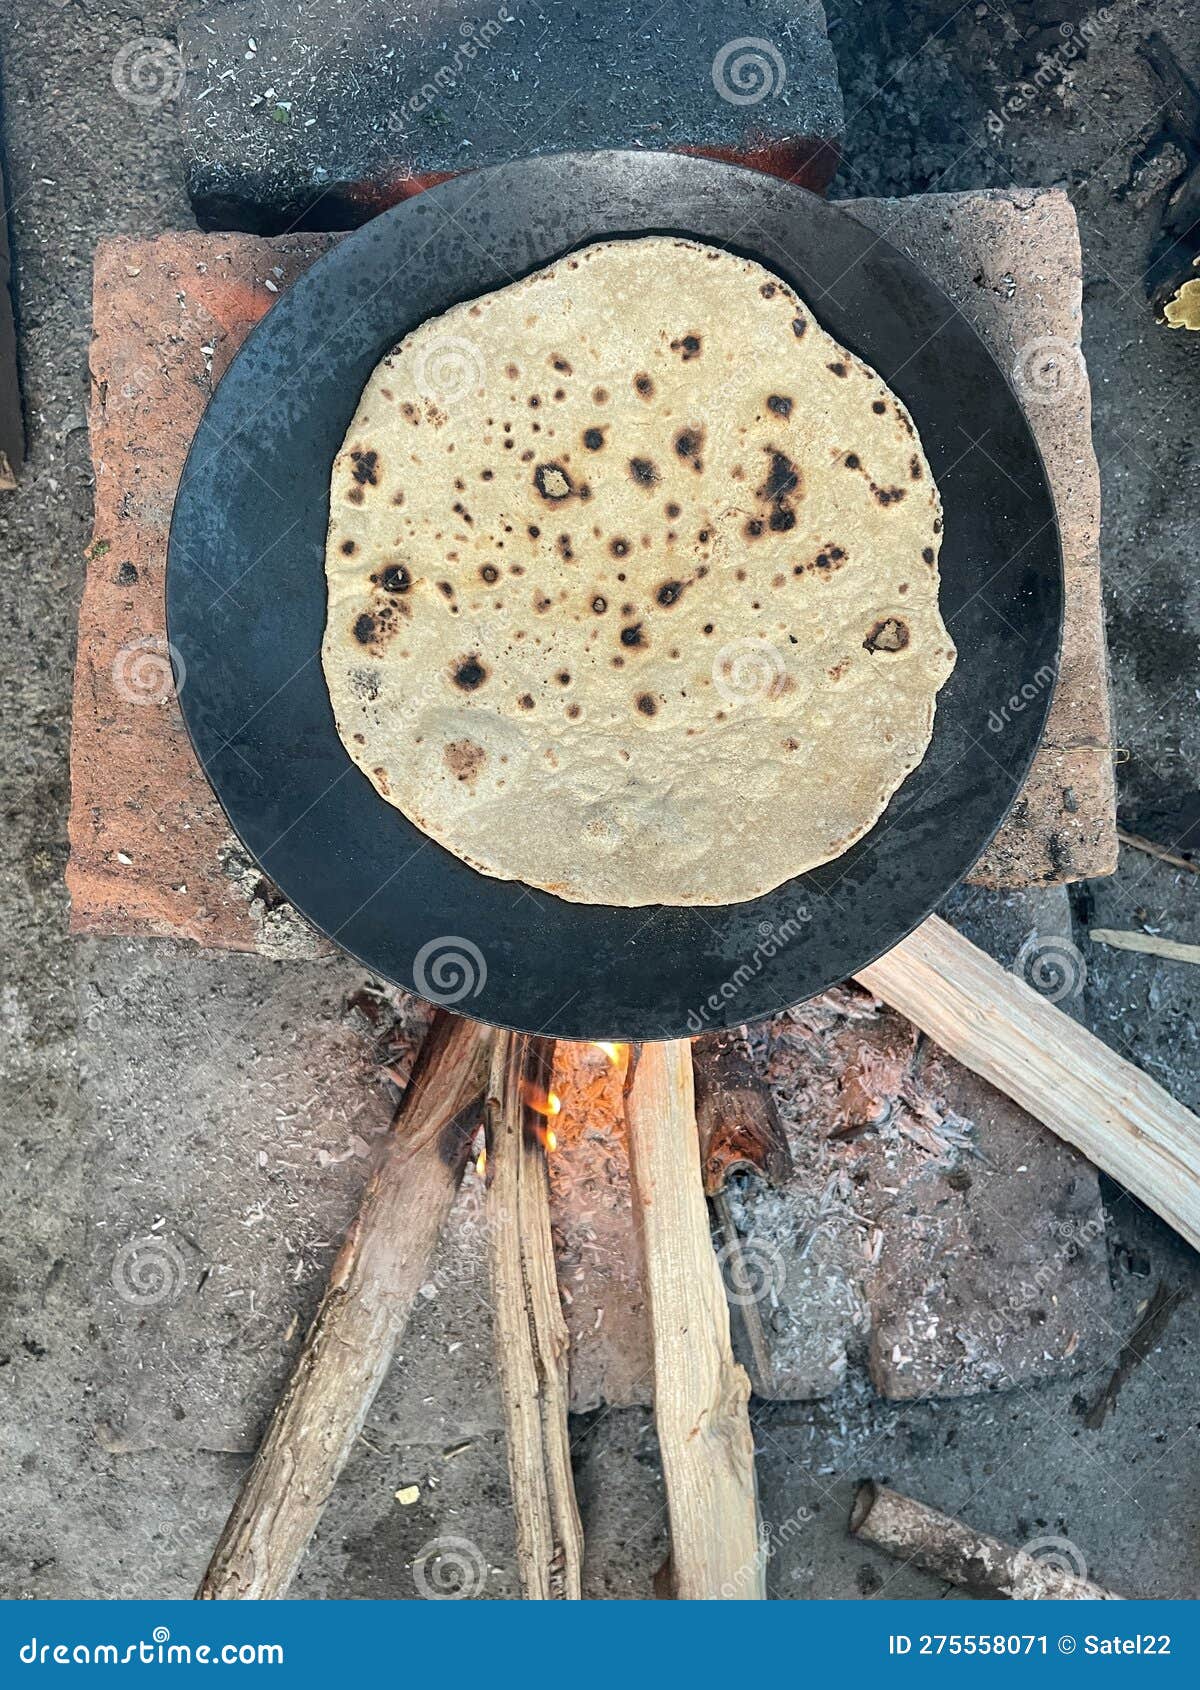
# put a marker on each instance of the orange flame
(547, 1104)
(615, 1053)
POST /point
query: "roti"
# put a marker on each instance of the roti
(633, 581)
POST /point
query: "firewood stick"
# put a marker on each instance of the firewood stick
(951, 1550)
(379, 1270)
(992, 1022)
(530, 1333)
(700, 1392)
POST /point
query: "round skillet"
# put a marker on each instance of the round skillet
(246, 609)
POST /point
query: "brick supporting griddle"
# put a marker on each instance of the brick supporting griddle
(150, 851)
(315, 113)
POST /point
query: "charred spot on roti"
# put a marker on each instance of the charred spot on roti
(839, 367)
(354, 495)
(395, 578)
(914, 468)
(464, 759)
(564, 548)
(366, 466)
(561, 365)
(780, 404)
(348, 548)
(600, 395)
(574, 711)
(887, 495)
(673, 510)
(364, 628)
(533, 531)
(644, 472)
(633, 635)
(470, 672)
(643, 385)
(927, 554)
(489, 572)
(526, 701)
(563, 677)
(688, 346)
(553, 482)
(599, 604)
(890, 634)
(768, 290)
(593, 438)
(879, 406)
(852, 460)
(619, 547)
(689, 443)
(646, 703)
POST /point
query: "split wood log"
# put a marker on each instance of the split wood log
(736, 1113)
(996, 1025)
(530, 1333)
(379, 1270)
(951, 1550)
(700, 1392)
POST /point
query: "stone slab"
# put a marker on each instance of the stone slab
(312, 113)
(150, 851)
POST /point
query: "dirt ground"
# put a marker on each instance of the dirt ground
(153, 1092)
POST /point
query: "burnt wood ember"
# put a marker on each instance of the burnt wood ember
(337, 112)
(736, 1115)
(349, 1347)
(530, 1334)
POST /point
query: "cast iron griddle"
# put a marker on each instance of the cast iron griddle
(246, 609)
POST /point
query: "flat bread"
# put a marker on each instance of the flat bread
(633, 581)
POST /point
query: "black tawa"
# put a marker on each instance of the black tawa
(246, 609)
